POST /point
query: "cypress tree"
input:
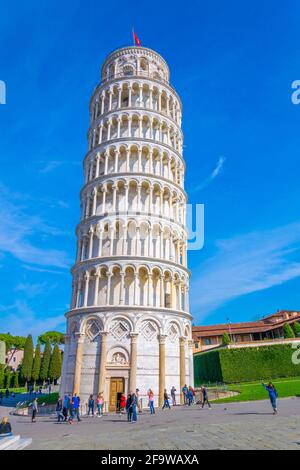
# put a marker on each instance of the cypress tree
(296, 328)
(1, 375)
(225, 339)
(16, 380)
(27, 360)
(287, 331)
(55, 364)
(44, 374)
(36, 368)
(8, 375)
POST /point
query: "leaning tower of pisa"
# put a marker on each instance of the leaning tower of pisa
(129, 324)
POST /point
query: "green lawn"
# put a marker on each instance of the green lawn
(15, 390)
(255, 391)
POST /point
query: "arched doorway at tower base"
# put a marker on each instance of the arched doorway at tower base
(116, 389)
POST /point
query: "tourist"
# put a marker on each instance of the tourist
(91, 404)
(151, 401)
(134, 402)
(5, 427)
(190, 396)
(76, 402)
(72, 412)
(58, 409)
(173, 395)
(99, 403)
(34, 410)
(204, 396)
(66, 404)
(129, 408)
(122, 403)
(138, 401)
(194, 395)
(166, 400)
(272, 395)
(185, 392)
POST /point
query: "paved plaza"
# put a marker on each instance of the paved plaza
(232, 426)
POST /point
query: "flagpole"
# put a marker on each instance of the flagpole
(133, 42)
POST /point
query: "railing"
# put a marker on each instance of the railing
(141, 73)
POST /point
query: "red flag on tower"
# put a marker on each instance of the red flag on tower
(136, 39)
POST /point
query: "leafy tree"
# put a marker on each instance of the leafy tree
(55, 364)
(16, 380)
(55, 337)
(287, 331)
(17, 342)
(2, 375)
(8, 339)
(226, 339)
(296, 328)
(44, 374)
(27, 360)
(36, 368)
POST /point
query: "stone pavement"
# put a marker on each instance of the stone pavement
(232, 426)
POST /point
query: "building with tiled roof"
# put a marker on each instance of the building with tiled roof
(268, 328)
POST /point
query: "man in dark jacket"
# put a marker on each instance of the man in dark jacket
(204, 396)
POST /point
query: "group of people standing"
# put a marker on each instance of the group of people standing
(68, 408)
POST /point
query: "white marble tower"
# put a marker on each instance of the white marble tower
(129, 323)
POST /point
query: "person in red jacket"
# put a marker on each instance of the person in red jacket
(122, 402)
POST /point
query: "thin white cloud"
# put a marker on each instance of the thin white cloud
(32, 290)
(50, 166)
(42, 270)
(244, 264)
(20, 319)
(216, 172)
(47, 166)
(19, 227)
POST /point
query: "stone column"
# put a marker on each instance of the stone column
(106, 163)
(97, 165)
(124, 249)
(62, 388)
(116, 161)
(91, 236)
(182, 366)
(136, 288)
(133, 362)
(109, 275)
(96, 288)
(100, 243)
(119, 97)
(122, 275)
(162, 292)
(78, 363)
(126, 197)
(103, 199)
(86, 290)
(127, 160)
(162, 368)
(129, 96)
(79, 286)
(191, 361)
(102, 365)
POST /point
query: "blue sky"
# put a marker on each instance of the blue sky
(233, 64)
